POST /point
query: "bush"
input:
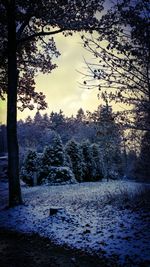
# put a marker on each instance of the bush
(60, 175)
(27, 176)
(113, 175)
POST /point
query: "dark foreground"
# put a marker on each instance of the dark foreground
(22, 250)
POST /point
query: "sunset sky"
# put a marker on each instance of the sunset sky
(61, 87)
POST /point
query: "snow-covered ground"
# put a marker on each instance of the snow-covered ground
(96, 217)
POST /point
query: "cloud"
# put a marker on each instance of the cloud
(61, 87)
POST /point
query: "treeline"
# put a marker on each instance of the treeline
(89, 145)
(38, 132)
(118, 156)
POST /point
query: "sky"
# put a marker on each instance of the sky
(61, 87)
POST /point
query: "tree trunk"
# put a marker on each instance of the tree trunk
(13, 152)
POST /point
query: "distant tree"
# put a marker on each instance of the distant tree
(24, 26)
(26, 138)
(74, 152)
(38, 119)
(57, 120)
(80, 115)
(43, 135)
(82, 128)
(28, 120)
(31, 126)
(70, 129)
(44, 138)
(89, 172)
(46, 121)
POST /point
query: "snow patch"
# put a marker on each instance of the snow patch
(87, 219)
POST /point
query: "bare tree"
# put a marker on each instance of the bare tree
(122, 60)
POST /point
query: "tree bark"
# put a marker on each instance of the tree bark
(13, 151)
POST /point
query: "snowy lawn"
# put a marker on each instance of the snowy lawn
(111, 219)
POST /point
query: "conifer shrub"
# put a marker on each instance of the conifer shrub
(53, 156)
(60, 175)
(30, 168)
(58, 153)
(74, 152)
(89, 171)
(44, 164)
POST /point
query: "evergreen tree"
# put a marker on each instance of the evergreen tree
(143, 163)
(80, 115)
(30, 166)
(47, 156)
(30, 162)
(54, 168)
(53, 155)
(46, 121)
(131, 165)
(96, 157)
(57, 120)
(74, 151)
(89, 163)
(68, 161)
(60, 175)
(45, 163)
(28, 120)
(110, 142)
(58, 153)
(38, 119)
